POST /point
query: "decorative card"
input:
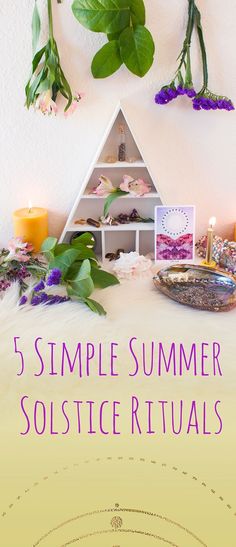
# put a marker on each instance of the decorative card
(174, 233)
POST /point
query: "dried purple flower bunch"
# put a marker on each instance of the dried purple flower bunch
(62, 272)
(39, 294)
(18, 264)
(182, 84)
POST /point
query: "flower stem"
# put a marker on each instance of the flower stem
(189, 31)
(50, 19)
(202, 46)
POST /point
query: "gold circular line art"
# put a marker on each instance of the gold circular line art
(118, 509)
(120, 458)
(123, 531)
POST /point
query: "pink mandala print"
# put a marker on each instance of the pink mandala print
(174, 249)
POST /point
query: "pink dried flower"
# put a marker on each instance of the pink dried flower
(19, 250)
(73, 107)
(104, 188)
(46, 104)
(137, 187)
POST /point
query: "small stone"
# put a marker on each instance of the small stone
(80, 221)
(93, 222)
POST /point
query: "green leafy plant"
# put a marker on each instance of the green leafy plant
(79, 267)
(47, 78)
(129, 41)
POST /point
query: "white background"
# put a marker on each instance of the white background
(192, 154)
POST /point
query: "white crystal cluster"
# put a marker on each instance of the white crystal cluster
(132, 266)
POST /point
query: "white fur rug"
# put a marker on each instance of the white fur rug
(134, 308)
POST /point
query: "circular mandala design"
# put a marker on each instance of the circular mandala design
(175, 222)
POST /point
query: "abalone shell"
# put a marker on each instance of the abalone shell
(198, 286)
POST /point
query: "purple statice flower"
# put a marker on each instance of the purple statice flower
(181, 90)
(186, 90)
(56, 299)
(54, 278)
(48, 299)
(40, 286)
(23, 300)
(36, 300)
(166, 94)
(4, 284)
(210, 101)
(22, 273)
(225, 104)
(190, 92)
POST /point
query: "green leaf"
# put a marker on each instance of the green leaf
(107, 60)
(84, 252)
(48, 248)
(73, 270)
(113, 36)
(112, 198)
(36, 27)
(103, 279)
(86, 239)
(64, 88)
(31, 90)
(37, 58)
(137, 12)
(61, 248)
(43, 86)
(137, 49)
(102, 15)
(82, 288)
(64, 261)
(94, 306)
(82, 284)
(49, 244)
(84, 271)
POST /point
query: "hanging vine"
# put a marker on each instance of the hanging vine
(182, 84)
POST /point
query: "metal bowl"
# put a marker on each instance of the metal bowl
(198, 286)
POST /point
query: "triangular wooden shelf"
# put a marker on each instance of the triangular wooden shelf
(133, 236)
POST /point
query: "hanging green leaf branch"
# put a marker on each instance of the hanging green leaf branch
(47, 78)
(182, 83)
(129, 41)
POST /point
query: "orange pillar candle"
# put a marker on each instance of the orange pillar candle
(31, 225)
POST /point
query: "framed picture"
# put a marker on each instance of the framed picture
(175, 233)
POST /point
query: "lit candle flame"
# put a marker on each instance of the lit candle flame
(212, 222)
(30, 206)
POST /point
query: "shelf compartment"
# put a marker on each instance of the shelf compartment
(116, 176)
(126, 241)
(120, 165)
(150, 195)
(110, 147)
(132, 226)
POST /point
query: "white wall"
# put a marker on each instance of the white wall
(192, 154)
